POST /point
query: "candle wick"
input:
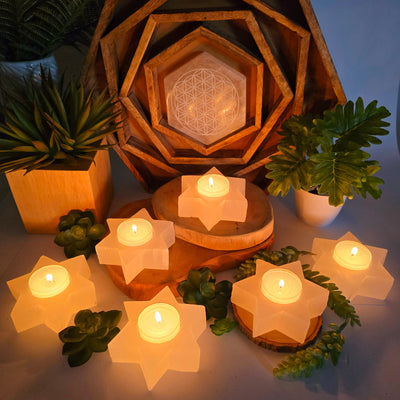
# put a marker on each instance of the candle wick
(281, 284)
(49, 278)
(134, 228)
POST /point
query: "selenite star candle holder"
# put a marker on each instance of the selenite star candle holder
(281, 299)
(137, 243)
(356, 269)
(161, 334)
(213, 197)
(52, 293)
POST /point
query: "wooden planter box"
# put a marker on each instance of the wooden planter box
(43, 196)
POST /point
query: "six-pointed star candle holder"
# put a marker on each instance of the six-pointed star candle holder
(280, 299)
(161, 334)
(52, 293)
(137, 243)
(355, 268)
(213, 197)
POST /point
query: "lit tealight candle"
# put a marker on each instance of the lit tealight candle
(135, 232)
(352, 255)
(281, 286)
(48, 281)
(159, 323)
(213, 185)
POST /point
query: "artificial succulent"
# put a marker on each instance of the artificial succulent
(92, 332)
(79, 233)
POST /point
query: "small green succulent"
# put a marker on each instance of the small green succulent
(79, 233)
(91, 333)
(52, 124)
(200, 288)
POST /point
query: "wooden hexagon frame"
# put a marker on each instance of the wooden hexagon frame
(201, 37)
(295, 42)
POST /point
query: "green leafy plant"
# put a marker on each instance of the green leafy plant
(325, 153)
(33, 29)
(79, 233)
(200, 288)
(92, 332)
(221, 326)
(53, 124)
(304, 362)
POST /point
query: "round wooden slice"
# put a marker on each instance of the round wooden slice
(275, 340)
(183, 257)
(225, 235)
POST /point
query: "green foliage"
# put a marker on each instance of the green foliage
(52, 124)
(200, 288)
(79, 233)
(326, 152)
(284, 256)
(33, 29)
(222, 326)
(304, 362)
(91, 333)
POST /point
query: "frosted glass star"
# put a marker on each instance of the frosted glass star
(293, 319)
(133, 259)
(55, 312)
(182, 353)
(231, 207)
(374, 281)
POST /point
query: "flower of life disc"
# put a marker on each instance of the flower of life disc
(204, 103)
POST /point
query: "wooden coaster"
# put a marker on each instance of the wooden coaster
(183, 257)
(225, 235)
(275, 340)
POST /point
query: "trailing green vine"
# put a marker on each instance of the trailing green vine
(304, 362)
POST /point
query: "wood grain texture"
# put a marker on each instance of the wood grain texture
(226, 235)
(298, 76)
(275, 340)
(44, 195)
(183, 257)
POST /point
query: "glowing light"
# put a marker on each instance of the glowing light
(157, 316)
(354, 251)
(134, 228)
(281, 284)
(211, 182)
(49, 278)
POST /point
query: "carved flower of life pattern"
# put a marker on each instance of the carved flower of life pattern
(205, 103)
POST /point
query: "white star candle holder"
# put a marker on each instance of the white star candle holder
(213, 197)
(52, 293)
(355, 268)
(161, 334)
(137, 243)
(281, 299)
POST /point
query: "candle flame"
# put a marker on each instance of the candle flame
(281, 283)
(49, 278)
(354, 251)
(211, 181)
(134, 228)
(157, 316)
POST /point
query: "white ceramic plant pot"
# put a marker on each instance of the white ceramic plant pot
(27, 69)
(314, 209)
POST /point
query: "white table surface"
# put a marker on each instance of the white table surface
(363, 39)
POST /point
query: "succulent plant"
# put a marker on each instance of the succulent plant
(53, 123)
(91, 333)
(221, 326)
(200, 288)
(79, 233)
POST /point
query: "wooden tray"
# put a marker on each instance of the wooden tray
(183, 257)
(226, 235)
(275, 340)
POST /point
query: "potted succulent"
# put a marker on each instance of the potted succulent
(322, 158)
(52, 151)
(31, 31)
